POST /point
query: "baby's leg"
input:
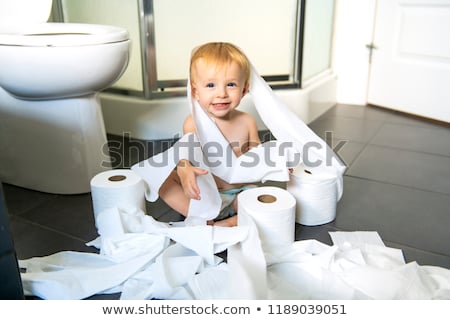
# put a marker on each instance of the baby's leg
(231, 221)
(228, 222)
(172, 193)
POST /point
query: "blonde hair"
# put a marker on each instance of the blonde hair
(220, 54)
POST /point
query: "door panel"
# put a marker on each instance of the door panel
(410, 69)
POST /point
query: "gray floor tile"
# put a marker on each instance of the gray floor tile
(360, 112)
(170, 216)
(20, 200)
(353, 129)
(412, 169)
(157, 209)
(423, 258)
(415, 218)
(31, 240)
(320, 233)
(72, 215)
(402, 118)
(423, 139)
(349, 151)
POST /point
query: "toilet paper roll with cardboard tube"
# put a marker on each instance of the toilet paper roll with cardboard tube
(121, 188)
(269, 215)
(273, 211)
(316, 194)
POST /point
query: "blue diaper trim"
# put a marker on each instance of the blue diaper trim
(234, 191)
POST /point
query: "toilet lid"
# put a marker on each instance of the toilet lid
(61, 35)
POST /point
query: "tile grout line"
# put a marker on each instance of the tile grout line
(397, 185)
(51, 229)
(418, 249)
(409, 150)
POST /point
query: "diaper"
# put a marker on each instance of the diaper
(227, 210)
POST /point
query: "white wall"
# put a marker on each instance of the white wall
(264, 29)
(354, 24)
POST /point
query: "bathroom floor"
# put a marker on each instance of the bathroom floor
(397, 183)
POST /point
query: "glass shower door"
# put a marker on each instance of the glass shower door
(288, 41)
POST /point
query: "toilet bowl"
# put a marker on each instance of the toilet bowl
(60, 60)
(52, 135)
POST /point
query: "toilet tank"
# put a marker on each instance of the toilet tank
(24, 11)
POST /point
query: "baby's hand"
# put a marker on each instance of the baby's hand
(188, 178)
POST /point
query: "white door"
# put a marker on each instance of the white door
(410, 68)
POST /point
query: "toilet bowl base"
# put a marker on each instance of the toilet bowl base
(53, 146)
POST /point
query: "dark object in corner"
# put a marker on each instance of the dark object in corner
(10, 281)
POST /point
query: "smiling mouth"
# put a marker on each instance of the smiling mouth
(221, 105)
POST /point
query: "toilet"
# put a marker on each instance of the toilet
(52, 135)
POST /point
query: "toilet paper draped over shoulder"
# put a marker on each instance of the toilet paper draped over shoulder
(288, 128)
(209, 149)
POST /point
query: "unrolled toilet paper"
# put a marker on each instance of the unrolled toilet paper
(269, 215)
(120, 188)
(288, 128)
(263, 260)
(268, 161)
(316, 195)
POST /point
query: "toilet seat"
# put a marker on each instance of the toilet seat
(61, 35)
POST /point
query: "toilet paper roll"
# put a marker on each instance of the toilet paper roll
(316, 196)
(121, 188)
(273, 211)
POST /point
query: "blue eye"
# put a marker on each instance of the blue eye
(231, 84)
(210, 85)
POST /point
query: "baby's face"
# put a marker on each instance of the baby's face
(218, 89)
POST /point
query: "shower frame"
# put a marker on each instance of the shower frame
(155, 89)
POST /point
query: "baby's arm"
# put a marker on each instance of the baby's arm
(188, 178)
(186, 171)
(253, 136)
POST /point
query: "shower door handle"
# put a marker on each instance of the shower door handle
(371, 46)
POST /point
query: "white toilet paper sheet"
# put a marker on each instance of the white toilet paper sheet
(78, 275)
(357, 266)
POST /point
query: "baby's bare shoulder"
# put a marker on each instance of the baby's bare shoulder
(189, 125)
(244, 116)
